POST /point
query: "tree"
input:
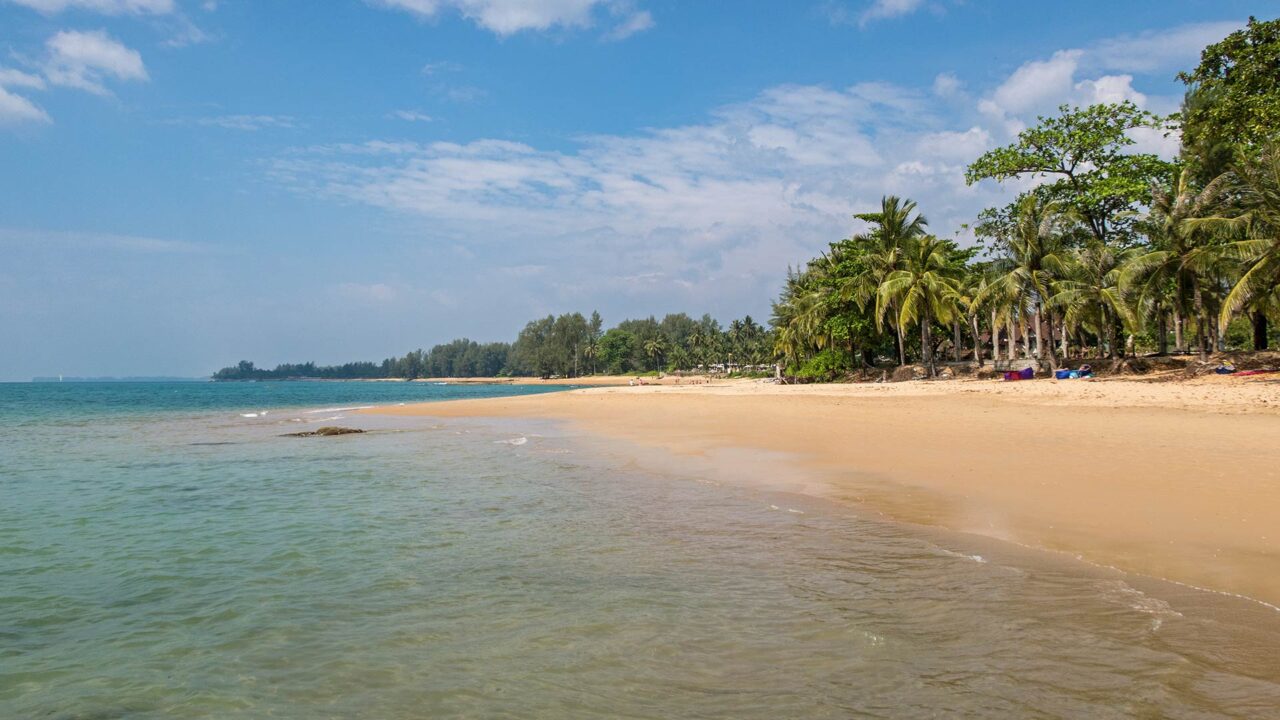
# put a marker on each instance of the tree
(656, 348)
(1259, 284)
(893, 228)
(1034, 247)
(1234, 95)
(925, 290)
(616, 348)
(1180, 225)
(1090, 296)
(1085, 150)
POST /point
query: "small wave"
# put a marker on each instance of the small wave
(1125, 594)
(974, 557)
(249, 415)
(512, 441)
(336, 409)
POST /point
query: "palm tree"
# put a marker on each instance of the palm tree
(655, 348)
(892, 229)
(1259, 188)
(1035, 260)
(1181, 224)
(924, 290)
(1090, 295)
(592, 351)
(800, 318)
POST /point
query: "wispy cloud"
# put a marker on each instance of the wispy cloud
(411, 116)
(16, 109)
(106, 7)
(98, 241)
(632, 24)
(250, 123)
(85, 60)
(507, 17)
(885, 9)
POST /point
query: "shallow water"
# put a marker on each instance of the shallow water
(179, 560)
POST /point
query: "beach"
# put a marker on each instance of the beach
(1172, 480)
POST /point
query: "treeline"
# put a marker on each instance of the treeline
(1113, 252)
(567, 346)
(571, 345)
(460, 358)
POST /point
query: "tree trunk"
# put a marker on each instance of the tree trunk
(902, 350)
(1009, 331)
(1039, 321)
(1066, 342)
(1202, 328)
(955, 332)
(926, 342)
(1179, 345)
(1259, 330)
(1026, 338)
(977, 341)
(995, 337)
(1162, 328)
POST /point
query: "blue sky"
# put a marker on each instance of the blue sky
(188, 183)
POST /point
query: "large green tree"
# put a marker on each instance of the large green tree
(1234, 93)
(1085, 156)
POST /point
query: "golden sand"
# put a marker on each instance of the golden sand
(1179, 480)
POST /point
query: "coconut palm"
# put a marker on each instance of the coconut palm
(591, 351)
(656, 348)
(1035, 259)
(925, 290)
(893, 228)
(1259, 190)
(1090, 296)
(1182, 225)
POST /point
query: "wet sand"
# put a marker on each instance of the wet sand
(1179, 481)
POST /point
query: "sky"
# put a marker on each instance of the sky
(188, 183)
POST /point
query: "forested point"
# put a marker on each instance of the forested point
(1111, 253)
(566, 346)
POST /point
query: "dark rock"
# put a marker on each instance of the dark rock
(326, 432)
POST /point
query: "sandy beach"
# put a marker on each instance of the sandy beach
(1175, 480)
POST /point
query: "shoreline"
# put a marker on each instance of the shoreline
(1177, 481)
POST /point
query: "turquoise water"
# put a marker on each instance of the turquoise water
(165, 553)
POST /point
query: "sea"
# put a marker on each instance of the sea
(166, 551)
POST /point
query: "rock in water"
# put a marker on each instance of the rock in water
(326, 432)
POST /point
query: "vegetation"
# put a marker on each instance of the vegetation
(565, 346)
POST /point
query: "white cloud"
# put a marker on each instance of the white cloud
(84, 60)
(372, 293)
(17, 109)
(1109, 89)
(761, 184)
(947, 85)
(411, 116)
(106, 7)
(507, 17)
(99, 241)
(16, 78)
(1037, 84)
(1160, 50)
(245, 122)
(632, 24)
(885, 9)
